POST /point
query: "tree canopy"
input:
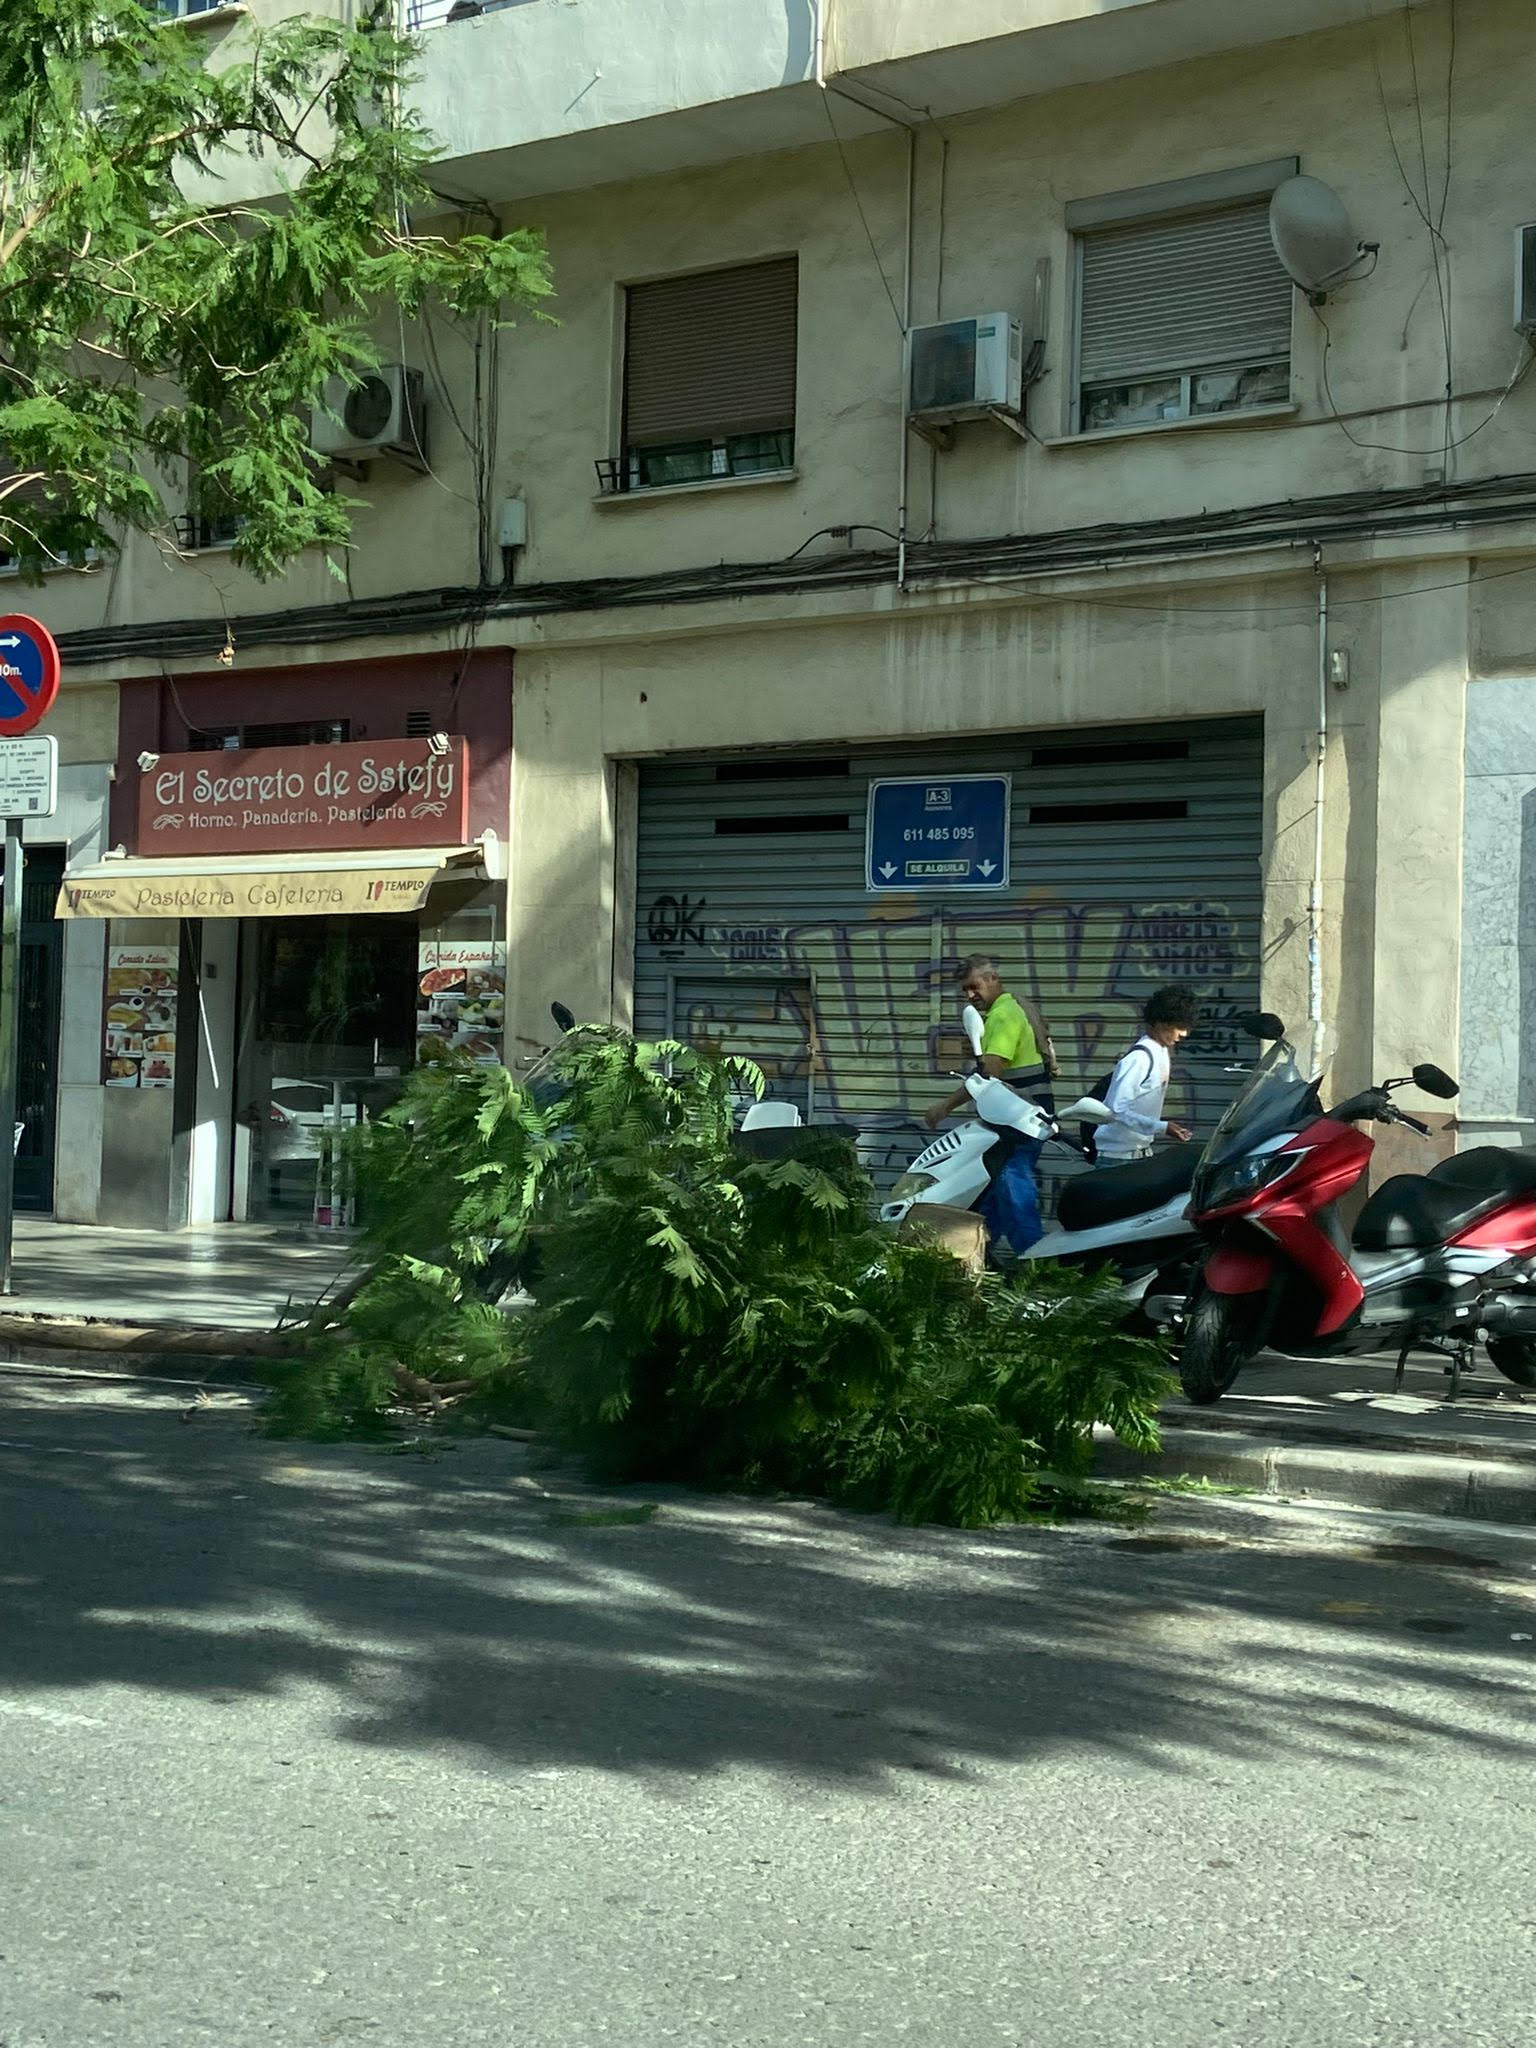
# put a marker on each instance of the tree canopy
(152, 316)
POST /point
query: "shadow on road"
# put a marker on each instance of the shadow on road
(462, 1599)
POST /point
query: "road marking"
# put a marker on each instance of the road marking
(56, 1717)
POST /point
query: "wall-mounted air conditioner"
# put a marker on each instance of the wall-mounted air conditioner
(965, 369)
(384, 414)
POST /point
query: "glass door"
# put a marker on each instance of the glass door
(37, 1068)
(327, 1033)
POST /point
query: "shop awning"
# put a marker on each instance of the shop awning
(267, 884)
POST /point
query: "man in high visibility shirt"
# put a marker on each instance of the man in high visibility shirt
(1015, 1047)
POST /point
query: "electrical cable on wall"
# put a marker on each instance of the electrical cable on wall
(1339, 517)
(188, 723)
(1516, 378)
(1438, 244)
(438, 610)
(842, 157)
(421, 453)
(838, 533)
(1431, 216)
(1299, 611)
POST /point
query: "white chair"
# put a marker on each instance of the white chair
(766, 1116)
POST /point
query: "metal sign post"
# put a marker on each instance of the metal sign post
(29, 788)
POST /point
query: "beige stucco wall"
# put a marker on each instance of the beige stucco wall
(1004, 181)
(1393, 808)
(956, 669)
(864, 33)
(597, 691)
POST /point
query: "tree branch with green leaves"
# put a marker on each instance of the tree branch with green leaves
(155, 315)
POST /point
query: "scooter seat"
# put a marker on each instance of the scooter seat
(1491, 1169)
(1415, 1209)
(1109, 1194)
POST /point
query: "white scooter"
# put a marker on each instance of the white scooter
(1131, 1217)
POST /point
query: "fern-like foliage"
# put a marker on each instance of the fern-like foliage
(699, 1315)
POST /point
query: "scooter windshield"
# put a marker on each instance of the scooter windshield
(1279, 1095)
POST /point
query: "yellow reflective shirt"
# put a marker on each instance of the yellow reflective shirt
(1009, 1036)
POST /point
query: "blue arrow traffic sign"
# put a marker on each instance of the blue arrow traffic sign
(937, 832)
(29, 674)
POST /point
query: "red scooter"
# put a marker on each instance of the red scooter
(1438, 1261)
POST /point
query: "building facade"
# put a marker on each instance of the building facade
(1237, 589)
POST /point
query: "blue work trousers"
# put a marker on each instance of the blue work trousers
(1011, 1206)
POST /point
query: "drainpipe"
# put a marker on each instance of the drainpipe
(904, 463)
(1315, 899)
(823, 8)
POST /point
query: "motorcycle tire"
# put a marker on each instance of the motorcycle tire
(1515, 1357)
(1221, 1334)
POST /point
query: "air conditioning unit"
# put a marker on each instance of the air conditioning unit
(965, 369)
(1525, 281)
(383, 414)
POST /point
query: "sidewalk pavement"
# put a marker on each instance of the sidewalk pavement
(228, 1276)
(1331, 1432)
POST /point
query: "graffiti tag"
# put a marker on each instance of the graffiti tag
(676, 920)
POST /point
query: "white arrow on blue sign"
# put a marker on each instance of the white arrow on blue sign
(937, 832)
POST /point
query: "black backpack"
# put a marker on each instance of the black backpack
(1087, 1134)
(1099, 1092)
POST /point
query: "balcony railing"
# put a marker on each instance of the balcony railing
(697, 462)
(424, 14)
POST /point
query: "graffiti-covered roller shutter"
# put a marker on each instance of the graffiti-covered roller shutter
(1134, 860)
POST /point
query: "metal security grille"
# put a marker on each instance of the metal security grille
(1161, 297)
(1135, 860)
(309, 732)
(711, 354)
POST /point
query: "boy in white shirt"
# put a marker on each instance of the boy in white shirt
(1136, 1088)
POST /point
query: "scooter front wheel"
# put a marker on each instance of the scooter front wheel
(1221, 1334)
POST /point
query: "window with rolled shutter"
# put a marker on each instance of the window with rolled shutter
(709, 375)
(210, 521)
(1180, 319)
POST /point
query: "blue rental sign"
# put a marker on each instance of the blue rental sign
(944, 832)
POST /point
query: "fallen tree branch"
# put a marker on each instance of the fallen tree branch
(436, 1393)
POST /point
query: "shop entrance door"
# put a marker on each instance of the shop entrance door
(327, 1033)
(37, 1071)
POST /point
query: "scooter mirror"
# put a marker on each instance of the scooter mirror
(1261, 1024)
(970, 1017)
(565, 1019)
(1435, 1081)
(1086, 1110)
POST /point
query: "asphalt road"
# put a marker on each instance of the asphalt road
(308, 1746)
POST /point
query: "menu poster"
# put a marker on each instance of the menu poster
(139, 1037)
(461, 998)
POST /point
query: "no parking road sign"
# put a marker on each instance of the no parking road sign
(29, 682)
(29, 674)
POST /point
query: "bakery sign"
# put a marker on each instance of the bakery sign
(384, 793)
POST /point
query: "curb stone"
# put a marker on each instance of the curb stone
(1445, 1483)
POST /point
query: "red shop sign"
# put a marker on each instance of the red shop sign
(385, 793)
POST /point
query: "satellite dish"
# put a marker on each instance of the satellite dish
(1312, 233)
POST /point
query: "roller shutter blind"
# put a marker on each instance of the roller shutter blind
(711, 354)
(1161, 297)
(1135, 861)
